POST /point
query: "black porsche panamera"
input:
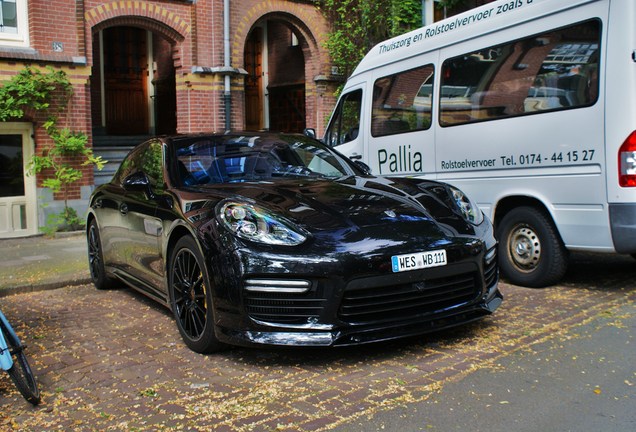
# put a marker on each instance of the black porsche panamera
(275, 239)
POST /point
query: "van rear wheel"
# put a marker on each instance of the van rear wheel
(531, 252)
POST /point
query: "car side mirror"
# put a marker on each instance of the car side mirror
(366, 169)
(310, 132)
(139, 182)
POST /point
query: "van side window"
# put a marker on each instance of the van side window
(550, 71)
(345, 124)
(402, 102)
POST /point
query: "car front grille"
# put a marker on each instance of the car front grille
(403, 301)
(284, 308)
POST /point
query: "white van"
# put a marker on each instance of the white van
(529, 106)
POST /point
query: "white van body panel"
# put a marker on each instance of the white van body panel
(516, 152)
(414, 147)
(481, 21)
(620, 90)
(555, 153)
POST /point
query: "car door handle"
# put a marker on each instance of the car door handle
(355, 156)
(123, 209)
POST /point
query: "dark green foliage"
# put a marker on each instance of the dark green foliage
(47, 94)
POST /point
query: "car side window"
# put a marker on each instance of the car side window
(151, 163)
(146, 158)
(345, 125)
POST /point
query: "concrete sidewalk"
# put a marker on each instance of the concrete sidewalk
(38, 263)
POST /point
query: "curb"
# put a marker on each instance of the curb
(24, 289)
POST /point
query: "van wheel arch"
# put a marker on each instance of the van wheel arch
(531, 251)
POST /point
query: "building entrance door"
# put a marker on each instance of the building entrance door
(18, 212)
(254, 80)
(125, 85)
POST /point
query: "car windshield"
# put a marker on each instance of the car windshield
(227, 159)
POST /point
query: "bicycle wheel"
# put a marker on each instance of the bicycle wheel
(20, 372)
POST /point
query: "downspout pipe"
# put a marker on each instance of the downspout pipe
(227, 96)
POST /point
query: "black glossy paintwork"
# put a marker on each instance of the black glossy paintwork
(354, 224)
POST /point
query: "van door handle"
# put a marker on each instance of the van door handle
(355, 156)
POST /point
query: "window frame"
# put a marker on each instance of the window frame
(334, 135)
(20, 39)
(380, 111)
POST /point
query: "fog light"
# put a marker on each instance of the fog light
(296, 286)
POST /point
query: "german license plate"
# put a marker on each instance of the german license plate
(419, 260)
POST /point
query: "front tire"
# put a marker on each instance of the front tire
(531, 252)
(191, 297)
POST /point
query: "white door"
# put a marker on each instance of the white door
(18, 211)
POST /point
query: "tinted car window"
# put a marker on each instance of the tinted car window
(146, 158)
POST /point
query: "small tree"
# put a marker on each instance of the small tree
(357, 25)
(68, 146)
(46, 95)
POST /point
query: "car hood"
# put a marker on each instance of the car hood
(393, 206)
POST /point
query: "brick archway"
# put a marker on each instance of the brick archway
(130, 9)
(306, 22)
(136, 102)
(154, 18)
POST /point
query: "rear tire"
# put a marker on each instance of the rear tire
(191, 297)
(20, 372)
(531, 252)
(96, 259)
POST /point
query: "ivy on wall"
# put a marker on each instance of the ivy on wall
(45, 94)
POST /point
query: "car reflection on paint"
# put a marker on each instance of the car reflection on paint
(275, 239)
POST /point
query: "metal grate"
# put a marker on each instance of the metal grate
(491, 271)
(399, 302)
(284, 308)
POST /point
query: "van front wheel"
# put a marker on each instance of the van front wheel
(531, 252)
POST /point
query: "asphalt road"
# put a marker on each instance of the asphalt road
(557, 359)
(583, 380)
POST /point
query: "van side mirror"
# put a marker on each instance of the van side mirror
(310, 132)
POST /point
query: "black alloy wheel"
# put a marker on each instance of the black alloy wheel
(191, 298)
(96, 259)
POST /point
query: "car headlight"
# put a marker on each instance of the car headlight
(467, 207)
(252, 223)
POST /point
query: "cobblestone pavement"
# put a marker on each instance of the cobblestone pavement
(112, 360)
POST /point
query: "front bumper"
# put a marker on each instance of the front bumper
(368, 334)
(371, 307)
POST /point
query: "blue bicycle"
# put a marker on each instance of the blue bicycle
(13, 360)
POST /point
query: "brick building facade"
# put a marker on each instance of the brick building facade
(158, 67)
